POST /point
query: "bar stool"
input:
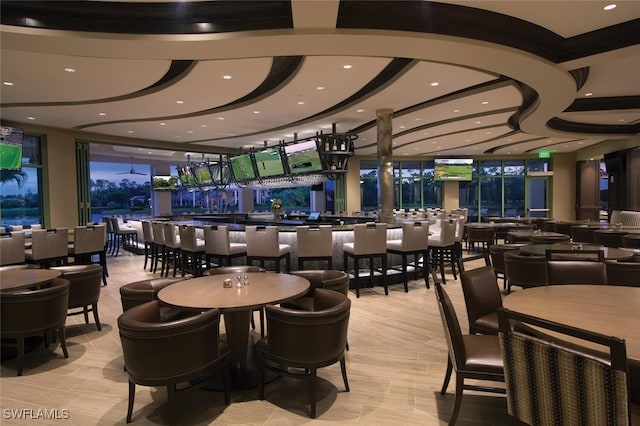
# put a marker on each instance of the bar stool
(218, 245)
(12, 249)
(315, 244)
(89, 241)
(442, 246)
(191, 249)
(173, 247)
(415, 241)
(147, 236)
(158, 249)
(48, 247)
(264, 245)
(369, 242)
(123, 235)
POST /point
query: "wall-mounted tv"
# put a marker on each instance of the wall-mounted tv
(187, 179)
(202, 174)
(460, 169)
(242, 167)
(164, 183)
(10, 148)
(269, 162)
(303, 157)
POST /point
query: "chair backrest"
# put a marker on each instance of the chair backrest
(31, 312)
(369, 238)
(158, 233)
(88, 239)
(609, 237)
(631, 241)
(216, 240)
(310, 336)
(15, 228)
(415, 236)
(496, 253)
(615, 216)
(452, 331)
(564, 267)
(12, 249)
(314, 242)
(447, 235)
(147, 231)
(49, 243)
(548, 383)
(525, 271)
(188, 240)
(481, 293)
(262, 242)
(623, 273)
(326, 278)
(481, 234)
(139, 292)
(582, 234)
(179, 349)
(84, 283)
(630, 218)
(170, 235)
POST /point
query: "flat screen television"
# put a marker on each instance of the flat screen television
(460, 169)
(187, 179)
(164, 183)
(303, 157)
(202, 174)
(242, 167)
(10, 148)
(269, 162)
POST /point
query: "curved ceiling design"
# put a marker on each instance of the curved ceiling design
(463, 78)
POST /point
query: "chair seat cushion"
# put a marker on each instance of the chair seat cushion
(482, 354)
(488, 322)
(394, 245)
(304, 303)
(284, 249)
(237, 248)
(348, 247)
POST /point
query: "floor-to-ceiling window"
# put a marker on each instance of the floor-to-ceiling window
(21, 193)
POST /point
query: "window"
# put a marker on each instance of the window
(21, 190)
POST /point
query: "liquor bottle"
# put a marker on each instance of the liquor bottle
(326, 145)
(343, 145)
(333, 165)
(335, 145)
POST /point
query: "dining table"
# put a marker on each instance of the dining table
(248, 291)
(610, 253)
(23, 279)
(607, 309)
(516, 235)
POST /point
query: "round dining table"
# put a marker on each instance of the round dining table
(23, 279)
(606, 309)
(235, 302)
(610, 253)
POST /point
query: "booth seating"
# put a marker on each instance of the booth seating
(35, 313)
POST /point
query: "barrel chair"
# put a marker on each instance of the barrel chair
(35, 313)
(186, 350)
(623, 273)
(496, 253)
(563, 268)
(305, 341)
(84, 290)
(524, 271)
(609, 237)
(139, 292)
(631, 241)
(319, 278)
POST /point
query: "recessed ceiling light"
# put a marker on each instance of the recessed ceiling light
(102, 114)
(418, 119)
(179, 102)
(139, 149)
(226, 77)
(300, 102)
(256, 112)
(359, 110)
(402, 127)
(347, 67)
(31, 118)
(189, 131)
(129, 131)
(588, 94)
(478, 122)
(581, 143)
(488, 133)
(468, 140)
(621, 120)
(70, 70)
(220, 118)
(439, 147)
(7, 83)
(434, 84)
(320, 88)
(456, 110)
(485, 103)
(610, 6)
(163, 124)
(203, 125)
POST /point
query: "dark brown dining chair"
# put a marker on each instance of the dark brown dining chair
(472, 356)
(496, 254)
(582, 234)
(84, 290)
(482, 299)
(623, 273)
(35, 313)
(168, 353)
(319, 278)
(524, 271)
(609, 237)
(550, 383)
(143, 291)
(485, 237)
(305, 340)
(575, 267)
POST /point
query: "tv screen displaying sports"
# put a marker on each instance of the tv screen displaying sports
(164, 183)
(460, 169)
(10, 148)
(303, 157)
(269, 162)
(202, 174)
(242, 167)
(187, 179)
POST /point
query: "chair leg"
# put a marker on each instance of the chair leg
(62, 334)
(171, 402)
(458, 400)
(313, 378)
(261, 322)
(287, 263)
(226, 379)
(96, 317)
(20, 350)
(132, 396)
(343, 368)
(260, 378)
(384, 275)
(85, 312)
(404, 272)
(356, 274)
(447, 376)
